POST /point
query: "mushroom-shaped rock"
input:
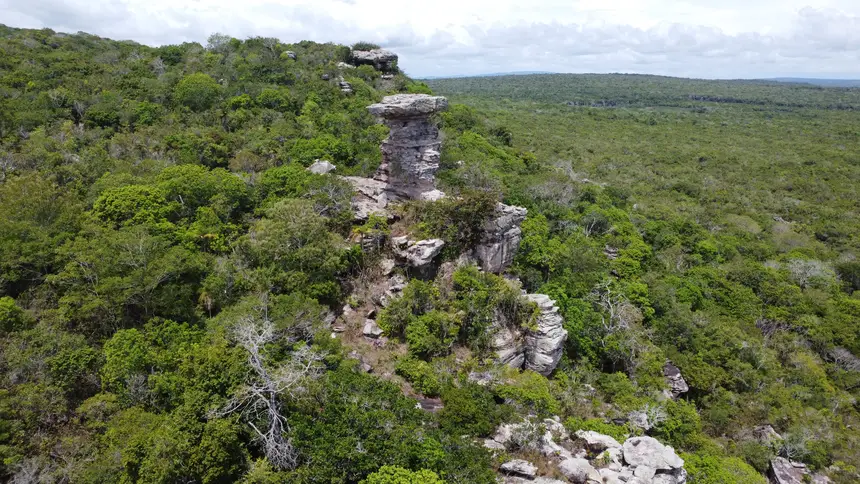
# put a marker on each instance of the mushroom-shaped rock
(417, 254)
(519, 467)
(597, 442)
(500, 238)
(647, 451)
(411, 153)
(321, 167)
(578, 470)
(676, 382)
(545, 344)
(380, 59)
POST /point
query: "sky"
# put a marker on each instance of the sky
(688, 38)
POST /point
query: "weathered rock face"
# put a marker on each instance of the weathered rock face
(784, 471)
(519, 467)
(501, 238)
(544, 345)
(677, 384)
(380, 59)
(539, 349)
(410, 154)
(648, 451)
(417, 254)
(370, 197)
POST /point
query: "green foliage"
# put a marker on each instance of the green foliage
(617, 432)
(421, 375)
(456, 220)
(719, 470)
(531, 392)
(197, 91)
(470, 409)
(12, 318)
(399, 475)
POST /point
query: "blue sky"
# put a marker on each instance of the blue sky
(694, 38)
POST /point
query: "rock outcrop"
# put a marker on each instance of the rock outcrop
(381, 59)
(500, 238)
(640, 460)
(537, 349)
(784, 471)
(545, 344)
(410, 154)
(519, 467)
(675, 380)
(417, 253)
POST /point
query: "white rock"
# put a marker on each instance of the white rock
(519, 467)
(645, 472)
(648, 451)
(371, 329)
(500, 238)
(321, 167)
(417, 254)
(544, 346)
(597, 442)
(578, 471)
(493, 445)
(608, 476)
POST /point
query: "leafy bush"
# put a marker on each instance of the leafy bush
(420, 374)
(470, 409)
(197, 91)
(399, 475)
(617, 432)
(707, 469)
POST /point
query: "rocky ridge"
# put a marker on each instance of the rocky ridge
(410, 160)
(586, 457)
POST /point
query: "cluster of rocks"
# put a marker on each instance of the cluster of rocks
(784, 471)
(539, 348)
(586, 457)
(381, 59)
(410, 160)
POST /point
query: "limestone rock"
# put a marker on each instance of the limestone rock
(508, 345)
(647, 451)
(290, 54)
(519, 467)
(677, 384)
(321, 167)
(597, 442)
(544, 346)
(645, 472)
(608, 476)
(493, 445)
(417, 253)
(579, 471)
(411, 153)
(371, 329)
(380, 59)
(766, 435)
(500, 238)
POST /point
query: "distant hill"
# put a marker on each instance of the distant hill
(818, 82)
(492, 74)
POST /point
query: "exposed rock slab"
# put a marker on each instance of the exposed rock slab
(597, 442)
(370, 197)
(579, 471)
(784, 471)
(501, 236)
(519, 467)
(648, 451)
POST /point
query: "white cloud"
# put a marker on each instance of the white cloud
(699, 38)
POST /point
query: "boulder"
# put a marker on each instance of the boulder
(676, 382)
(519, 467)
(608, 476)
(371, 329)
(597, 442)
(380, 59)
(579, 471)
(493, 445)
(767, 436)
(645, 472)
(344, 65)
(321, 167)
(545, 344)
(417, 253)
(290, 54)
(647, 451)
(500, 238)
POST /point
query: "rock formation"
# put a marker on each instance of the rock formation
(410, 154)
(677, 384)
(417, 254)
(321, 167)
(784, 471)
(381, 59)
(640, 460)
(537, 349)
(501, 238)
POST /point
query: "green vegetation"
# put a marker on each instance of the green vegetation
(713, 223)
(168, 266)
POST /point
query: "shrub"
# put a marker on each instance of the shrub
(708, 469)
(362, 45)
(531, 391)
(197, 91)
(470, 409)
(432, 333)
(12, 318)
(420, 374)
(617, 432)
(399, 475)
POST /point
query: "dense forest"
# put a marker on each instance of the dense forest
(171, 273)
